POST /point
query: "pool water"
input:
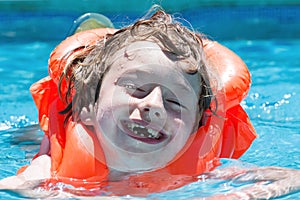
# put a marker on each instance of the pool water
(272, 104)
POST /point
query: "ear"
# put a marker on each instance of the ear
(88, 116)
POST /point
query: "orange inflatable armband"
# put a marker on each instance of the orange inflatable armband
(227, 137)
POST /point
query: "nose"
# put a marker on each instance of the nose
(152, 106)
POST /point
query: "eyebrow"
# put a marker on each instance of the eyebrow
(137, 74)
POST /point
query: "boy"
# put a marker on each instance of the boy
(144, 109)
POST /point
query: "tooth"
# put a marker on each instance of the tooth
(153, 132)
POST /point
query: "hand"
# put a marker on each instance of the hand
(39, 169)
(271, 182)
(263, 183)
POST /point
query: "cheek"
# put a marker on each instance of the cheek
(113, 103)
(108, 117)
(187, 122)
(112, 97)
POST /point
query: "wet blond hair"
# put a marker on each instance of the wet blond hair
(84, 74)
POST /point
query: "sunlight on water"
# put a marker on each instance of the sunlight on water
(272, 104)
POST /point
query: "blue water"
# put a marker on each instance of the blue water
(26, 41)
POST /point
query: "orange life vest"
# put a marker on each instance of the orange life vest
(222, 137)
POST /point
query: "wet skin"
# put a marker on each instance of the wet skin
(147, 108)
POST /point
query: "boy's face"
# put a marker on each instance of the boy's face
(147, 108)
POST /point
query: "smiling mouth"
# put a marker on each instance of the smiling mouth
(144, 134)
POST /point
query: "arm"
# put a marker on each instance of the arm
(265, 183)
(39, 169)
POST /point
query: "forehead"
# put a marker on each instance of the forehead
(151, 52)
(147, 61)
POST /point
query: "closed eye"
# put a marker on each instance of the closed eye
(175, 103)
(134, 90)
(130, 86)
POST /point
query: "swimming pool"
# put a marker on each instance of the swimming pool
(269, 44)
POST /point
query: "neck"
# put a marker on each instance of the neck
(115, 175)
